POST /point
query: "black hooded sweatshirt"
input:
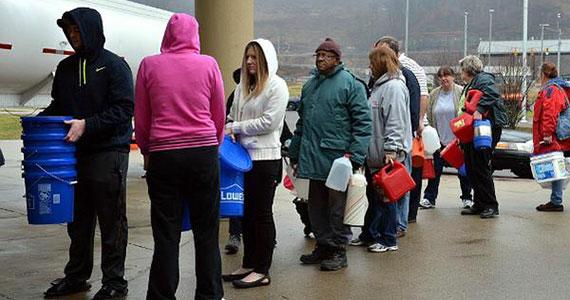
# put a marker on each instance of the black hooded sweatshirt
(96, 85)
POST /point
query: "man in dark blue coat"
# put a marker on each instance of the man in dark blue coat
(95, 86)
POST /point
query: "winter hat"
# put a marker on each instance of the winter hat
(331, 46)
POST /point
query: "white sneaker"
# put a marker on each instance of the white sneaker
(425, 204)
(379, 248)
(357, 242)
(467, 203)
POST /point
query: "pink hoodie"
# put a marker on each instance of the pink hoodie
(179, 100)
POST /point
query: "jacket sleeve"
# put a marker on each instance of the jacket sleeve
(550, 111)
(217, 106)
(393, 111)
(295, 146)
(272, 116)
(490, 95)
(361, 122)
(429, 113)
(143, 111)
(54, 108)
(121, 103)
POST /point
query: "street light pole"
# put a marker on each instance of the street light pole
(465, 35)
(407, 24)
(559, 42)
(542, 42)
(524, 63)
(491, 11)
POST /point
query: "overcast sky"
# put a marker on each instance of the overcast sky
(186, 6)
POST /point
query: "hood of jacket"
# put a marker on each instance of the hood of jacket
(181, 35)
(560, 82)
(270, 55)
(90, 27)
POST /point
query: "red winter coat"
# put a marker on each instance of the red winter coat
(550, 102)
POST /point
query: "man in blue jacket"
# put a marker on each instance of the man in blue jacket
(334, 121)
(95, 86)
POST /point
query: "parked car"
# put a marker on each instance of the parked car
(513, 153)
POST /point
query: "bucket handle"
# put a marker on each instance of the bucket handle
(55, 177)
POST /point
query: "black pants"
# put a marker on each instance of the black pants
(478, 164)
(100, 195)
(326, 212)
(235, 226)
(257, 224)
(173, 177)
(416, 193)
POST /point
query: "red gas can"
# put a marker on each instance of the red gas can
(453, 154)
(395, 181)
(472, 100)
(462, 128)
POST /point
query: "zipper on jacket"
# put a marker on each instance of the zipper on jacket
(82, 72)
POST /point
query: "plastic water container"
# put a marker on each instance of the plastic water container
(395, 180)
(339, 175)
(186, 225)
(462, 128)
(300, 185)
(49, 196)
(483, 137)
(234, 162)
(356, 201)
(549, 167)
(431, 140)
(453, 154)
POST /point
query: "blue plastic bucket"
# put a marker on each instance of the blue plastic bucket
(483, 136)
(186, 225)
(54, 152)
(49, 165)
(52, 125)
(49, 197)
(234, 162)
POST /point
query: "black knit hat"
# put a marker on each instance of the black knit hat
(331, 46)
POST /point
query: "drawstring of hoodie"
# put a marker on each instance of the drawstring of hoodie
(82, 72)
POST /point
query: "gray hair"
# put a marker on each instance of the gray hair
(471, 65)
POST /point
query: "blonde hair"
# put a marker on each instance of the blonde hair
(254, 84)
(384, 60)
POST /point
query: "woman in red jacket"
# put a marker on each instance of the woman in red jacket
(550, 102)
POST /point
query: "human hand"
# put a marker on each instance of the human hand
(390, 157)
(76, 131)
(477, 115)
(547, 139)
(420, 129)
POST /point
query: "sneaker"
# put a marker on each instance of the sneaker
(316, 257)
(232, 247)
(489, 213)
(335, 262)
(425, 204)
(109, 292)
(550, 207)
(467, 203)
(379, 248)
(358, 242)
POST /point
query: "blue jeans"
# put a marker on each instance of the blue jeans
(432, 189)
(557, 192)
(403, 205)
(381, 218)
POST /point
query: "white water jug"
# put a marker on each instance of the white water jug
(339, 175)
(431, 140)
(356, 201)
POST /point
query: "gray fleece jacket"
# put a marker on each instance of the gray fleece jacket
(391, 129)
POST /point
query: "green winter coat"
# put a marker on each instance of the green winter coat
(334, 119)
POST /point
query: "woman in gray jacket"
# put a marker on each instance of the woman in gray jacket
(391, 139)
(443, 107)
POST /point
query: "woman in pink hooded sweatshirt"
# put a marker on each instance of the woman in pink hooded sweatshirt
(179, 120)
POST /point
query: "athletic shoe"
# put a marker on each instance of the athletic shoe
(379, 248)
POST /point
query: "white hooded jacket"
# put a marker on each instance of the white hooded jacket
(258, 121)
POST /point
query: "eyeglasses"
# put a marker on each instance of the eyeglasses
(325, 56)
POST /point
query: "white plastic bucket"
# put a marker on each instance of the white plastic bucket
(356, 201)
(548, 185)
(549, 167)
(431, 140)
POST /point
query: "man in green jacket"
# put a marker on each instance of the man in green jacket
(334, 121)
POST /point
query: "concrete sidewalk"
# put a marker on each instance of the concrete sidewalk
(523, 254)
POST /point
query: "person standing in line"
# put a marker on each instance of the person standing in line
(179, 124)
(334, 121)
(443, 107)
(552, 100)
(478, 162)
(256, 121)
(95, 87)
(391, 139)
(411, 201)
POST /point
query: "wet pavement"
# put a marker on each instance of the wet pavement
(523, 254)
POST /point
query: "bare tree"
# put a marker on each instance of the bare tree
(511, 73)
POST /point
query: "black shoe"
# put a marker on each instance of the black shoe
(489, 213)
(550, 207)
(318, 255)
(232, 277)
(263, 281)
(109, 292)
(232, 247)
(335, 262)
(63, 286)
(471, 211)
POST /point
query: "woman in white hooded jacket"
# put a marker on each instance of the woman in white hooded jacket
(256, 121)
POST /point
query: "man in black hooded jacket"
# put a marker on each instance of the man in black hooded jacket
(95, 86)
